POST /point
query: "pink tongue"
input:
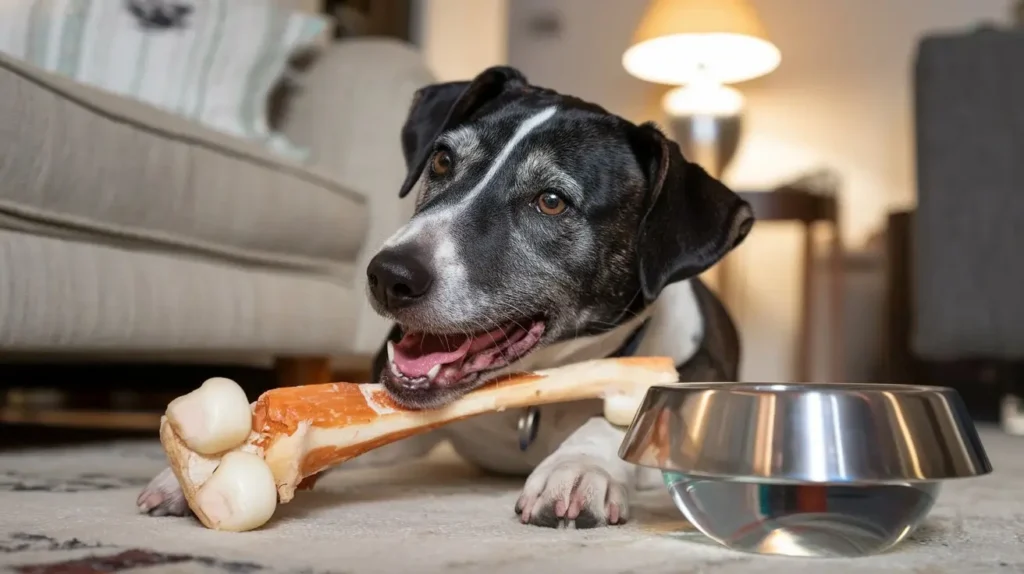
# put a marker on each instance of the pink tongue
(416, 353)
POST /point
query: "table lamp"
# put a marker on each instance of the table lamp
(700, 45)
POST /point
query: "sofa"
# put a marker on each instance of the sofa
(127, 233)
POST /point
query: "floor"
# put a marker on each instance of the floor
(72, 509)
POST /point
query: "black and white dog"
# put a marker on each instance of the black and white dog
(547, 231)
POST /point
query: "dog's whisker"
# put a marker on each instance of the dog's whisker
(626, 312)
(518, 312)
(488, 332)
(504, 334)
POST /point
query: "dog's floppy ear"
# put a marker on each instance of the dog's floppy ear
(429, 109)
(691, 219)
(440, 107)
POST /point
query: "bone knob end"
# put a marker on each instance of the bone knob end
(621, 406)
(241, 494)
(214, 418)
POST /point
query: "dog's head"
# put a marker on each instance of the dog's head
(539, 218)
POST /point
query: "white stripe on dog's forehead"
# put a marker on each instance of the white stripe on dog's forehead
(439, 220)
(529, 124)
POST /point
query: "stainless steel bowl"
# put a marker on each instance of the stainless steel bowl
(805, 469)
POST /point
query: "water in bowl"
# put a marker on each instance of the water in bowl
(802, 520)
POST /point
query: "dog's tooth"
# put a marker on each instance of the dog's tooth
(432, 373)
(391, 352)
(394, 370)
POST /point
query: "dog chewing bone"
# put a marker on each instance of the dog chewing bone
(297, 432)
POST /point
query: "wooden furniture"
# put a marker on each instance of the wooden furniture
(388, 18)
(298, 371)
(793, 203)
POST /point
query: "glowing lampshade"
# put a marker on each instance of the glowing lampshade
(680, 41)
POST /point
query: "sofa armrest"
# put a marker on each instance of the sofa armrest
(349, 110)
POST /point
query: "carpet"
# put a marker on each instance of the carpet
(72, 510)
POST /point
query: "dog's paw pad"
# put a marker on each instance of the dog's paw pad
(572, 493)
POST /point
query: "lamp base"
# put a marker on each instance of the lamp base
(710, 141)
(707, 140)
(706, 121)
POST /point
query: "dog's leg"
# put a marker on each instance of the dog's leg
(583, 481)
(163, 497)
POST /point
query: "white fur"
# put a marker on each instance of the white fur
(440, 218)
(1011, 414)
(677, 327)
(524, 129)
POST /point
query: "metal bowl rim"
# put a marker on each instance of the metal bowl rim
(783, 480)
(840, 388)
(974, 460)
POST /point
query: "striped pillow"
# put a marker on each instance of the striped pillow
(217, 67)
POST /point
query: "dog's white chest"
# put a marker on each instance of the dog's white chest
(492, 441)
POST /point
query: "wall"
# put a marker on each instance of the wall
(841, 98)
(459, 38)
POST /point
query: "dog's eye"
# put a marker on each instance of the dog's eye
(441, 162)
(550, 203)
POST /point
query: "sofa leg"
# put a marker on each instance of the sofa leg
(297, 371)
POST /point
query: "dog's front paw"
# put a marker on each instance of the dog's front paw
(578, 491)
(163, 496)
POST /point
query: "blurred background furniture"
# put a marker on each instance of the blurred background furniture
(382, 18)
(698, 46)
(798, 204)
(956, 273)
(140, 247)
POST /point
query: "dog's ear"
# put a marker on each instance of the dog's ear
(691, 220)
(429, 109)
(440, 107)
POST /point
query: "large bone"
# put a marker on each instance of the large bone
(302, 431)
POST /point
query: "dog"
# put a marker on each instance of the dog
(546, 231)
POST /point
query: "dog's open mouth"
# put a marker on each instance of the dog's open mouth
(423, 360)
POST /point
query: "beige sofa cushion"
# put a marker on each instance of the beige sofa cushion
(78, 162)
(79, 297)
(367, 86)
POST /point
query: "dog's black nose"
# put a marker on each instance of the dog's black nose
(397, 278)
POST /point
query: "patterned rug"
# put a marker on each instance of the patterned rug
(72, 510)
